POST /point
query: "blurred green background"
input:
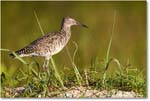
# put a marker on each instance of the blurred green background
(19, 28)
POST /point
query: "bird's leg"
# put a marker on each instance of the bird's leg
(45, 65)
(47, 62)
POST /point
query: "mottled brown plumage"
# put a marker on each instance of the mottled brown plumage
(50, 44)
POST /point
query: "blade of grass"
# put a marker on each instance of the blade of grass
(7, 50)
(86, 77)
(16, 56)
(112, 32)
(37, 19)
(19, 58)
(78, 76)
(107, 66)
(109, 45)
(117, 62)
(56, 73)
(23, 73)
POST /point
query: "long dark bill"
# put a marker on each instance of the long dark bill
(84, 25)
(78, 23)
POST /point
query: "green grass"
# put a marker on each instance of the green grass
(37, 83)
(76, 71)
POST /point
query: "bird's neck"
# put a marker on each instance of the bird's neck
(66, 29)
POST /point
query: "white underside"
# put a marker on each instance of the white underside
(32, 54)
(48, 55)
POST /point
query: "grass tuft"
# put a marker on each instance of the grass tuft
(72, 59)
(109, 46)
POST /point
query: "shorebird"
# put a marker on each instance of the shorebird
(50, 44)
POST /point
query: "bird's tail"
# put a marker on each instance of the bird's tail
(22, 52)
(19, 52)
(12, 55)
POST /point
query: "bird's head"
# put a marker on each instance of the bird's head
(69, 21)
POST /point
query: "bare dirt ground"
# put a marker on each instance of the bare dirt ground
(84, 92)
(78, 92)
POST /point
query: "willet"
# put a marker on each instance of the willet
(50, 44)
